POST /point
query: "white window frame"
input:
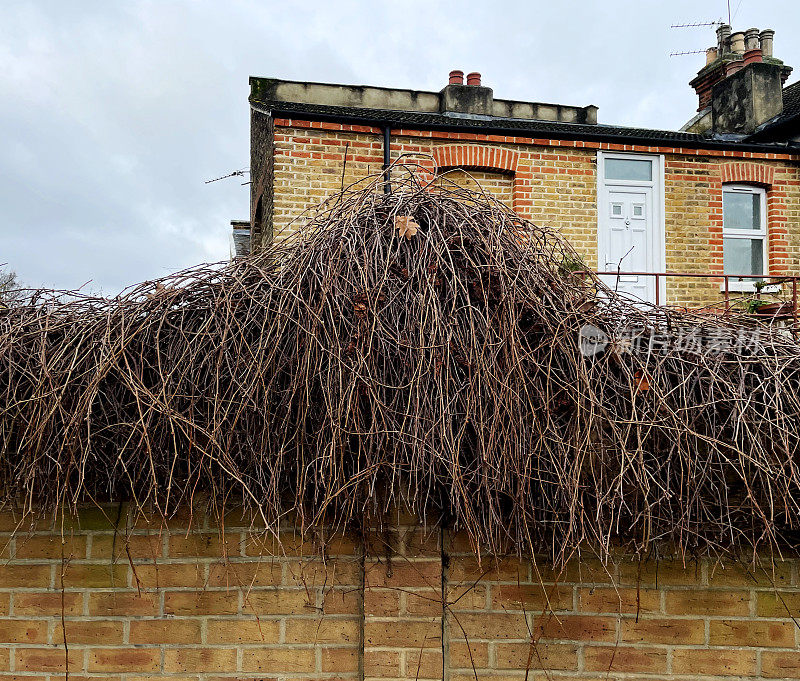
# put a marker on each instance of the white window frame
(747, 284)
(659, 210)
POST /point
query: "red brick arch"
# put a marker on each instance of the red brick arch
(476, 156)
(753, 173)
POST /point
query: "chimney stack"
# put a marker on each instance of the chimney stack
(741, 85)
(472, 98)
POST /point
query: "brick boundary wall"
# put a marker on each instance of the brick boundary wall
(140, 602)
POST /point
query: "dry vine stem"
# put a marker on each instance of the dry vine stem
(350, 368)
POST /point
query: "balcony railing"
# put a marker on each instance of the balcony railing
(784, 308)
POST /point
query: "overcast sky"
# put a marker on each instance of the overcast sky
(113, 113)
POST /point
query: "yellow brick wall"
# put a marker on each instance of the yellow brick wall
(687, 197)
(192, 604)
(789, 174)
(311, 165)
(498, 185)
(561, 188)
(554, 188)
(554, 185)
(174, 603)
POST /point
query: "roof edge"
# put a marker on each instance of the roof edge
(554, 130)
(268, 90)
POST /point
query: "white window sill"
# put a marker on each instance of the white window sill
(736, 286)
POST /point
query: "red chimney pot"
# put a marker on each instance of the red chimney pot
(474, 78)
(753, 56)
(456, 77)
(732, 67)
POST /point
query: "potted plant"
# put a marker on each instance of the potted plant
(773, 309)
(768, 308)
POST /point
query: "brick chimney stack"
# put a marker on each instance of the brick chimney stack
(741, 85)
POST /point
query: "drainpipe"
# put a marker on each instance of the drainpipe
(387, 159)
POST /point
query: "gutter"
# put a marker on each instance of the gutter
(383, 123)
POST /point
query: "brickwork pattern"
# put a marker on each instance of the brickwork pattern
(476, 156)
(751, 173)
(403, 605)
(312, 164)
(693, 193)
(199, 605)
(693, 217)
(655, 620)
(175, 603)
(498, 185)
(553, 183)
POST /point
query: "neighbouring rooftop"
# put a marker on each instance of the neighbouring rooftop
(743, 104)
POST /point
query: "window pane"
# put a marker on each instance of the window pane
(741, 210)
(628, 169)
(743, 256)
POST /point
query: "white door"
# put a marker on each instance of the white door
(630, 224)
(629, 241)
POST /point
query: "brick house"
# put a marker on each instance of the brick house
(721, 195)
(115, 595)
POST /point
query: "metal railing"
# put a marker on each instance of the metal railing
(769, 280)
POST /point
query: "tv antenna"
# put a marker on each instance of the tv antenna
(678, 54)
(235, 173)
(735, 12)
(693, 25)
(698, 23)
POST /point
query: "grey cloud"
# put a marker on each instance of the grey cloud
(113, 114)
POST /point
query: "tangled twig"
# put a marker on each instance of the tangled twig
(361, 363)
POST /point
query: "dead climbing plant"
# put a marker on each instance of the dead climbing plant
(421, 347)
